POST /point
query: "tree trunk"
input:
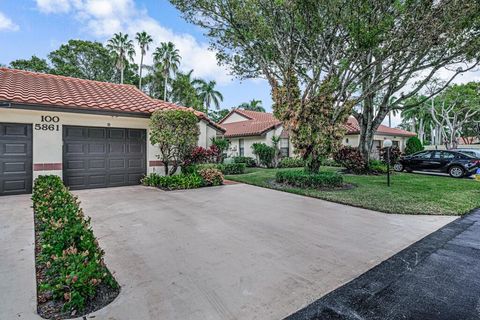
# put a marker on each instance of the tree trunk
(165, 89)
(140, 73)
(121, 75)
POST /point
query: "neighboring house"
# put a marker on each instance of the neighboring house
(93, 134)
(244, 128)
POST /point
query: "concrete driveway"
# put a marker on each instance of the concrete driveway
(230, 252)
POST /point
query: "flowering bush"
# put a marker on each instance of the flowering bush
(351, 159)
(211, 176)
(69, 256)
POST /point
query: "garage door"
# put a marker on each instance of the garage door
(95, 157)
(15, 158)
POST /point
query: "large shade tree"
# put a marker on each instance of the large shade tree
(83, 59)
(34, 64)
(362, 52)
(167, 59)
(122, 49)
(144, 40)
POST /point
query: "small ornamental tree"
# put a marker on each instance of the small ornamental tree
(413, 145)
(221, 146)
(176, 134)
(316, 126)
(264, 153)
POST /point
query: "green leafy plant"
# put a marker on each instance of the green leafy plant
(175, 182)
(211, 176)
(377, 167)
(68, 252)
(221, 145)
(413, 145)
(175, 132)
(288, 162)
(351, 159)
(303, 179)
(264, 153)
(249, 161)
(233, 168)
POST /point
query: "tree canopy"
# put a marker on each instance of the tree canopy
(368, 51)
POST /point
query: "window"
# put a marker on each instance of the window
(284, 147)
(437, 155)
(241, 147)
(423, 155)
(395, 144)
(448, 155)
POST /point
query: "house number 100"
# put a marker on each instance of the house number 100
(49, 126)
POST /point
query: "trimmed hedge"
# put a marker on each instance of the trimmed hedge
(302, 179)
(288, 162)
(225, 168)
(232, 168)
(175, 182)
(68, 257)
(249, 161)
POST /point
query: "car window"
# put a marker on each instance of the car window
(424, 155)
(437, 155)
(448, 155)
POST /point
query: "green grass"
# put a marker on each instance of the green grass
(408, 194)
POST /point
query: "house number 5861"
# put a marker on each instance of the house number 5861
(48, 123)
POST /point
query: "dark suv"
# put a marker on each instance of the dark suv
(456, 164)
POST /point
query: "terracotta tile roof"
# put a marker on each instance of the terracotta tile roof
(260, 122)
(354, 128)
(31, 88)
(251, 115)
(248, 128)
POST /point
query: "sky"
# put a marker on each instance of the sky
(37, 27)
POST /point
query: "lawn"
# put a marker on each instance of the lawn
(409, 193)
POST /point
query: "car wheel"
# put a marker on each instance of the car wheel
(456, 171)
(398, 167)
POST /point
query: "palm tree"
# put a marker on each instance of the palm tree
(207, 93)
(253, 105)
(122, 49)
(184, 91)
(143, 40)
(167, 58)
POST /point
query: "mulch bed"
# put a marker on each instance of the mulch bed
(49, 308)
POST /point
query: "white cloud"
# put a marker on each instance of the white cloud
(7, 24)
(102, 18)
(54, 6)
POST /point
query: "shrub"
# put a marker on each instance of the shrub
(211, 176)
(220, 146)
(330, 163)
(175, 182)
(232, 168)
(303, 179)
(377, 166)
(265, 154)
(249, 161)
(413, 145)
(395, 154)
(68, 251)
(351, 159)
(288, 162)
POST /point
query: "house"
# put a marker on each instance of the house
(93, 134)
(244, 128)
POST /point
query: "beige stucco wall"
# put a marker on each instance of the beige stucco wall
(47, 145)
(234, 117)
